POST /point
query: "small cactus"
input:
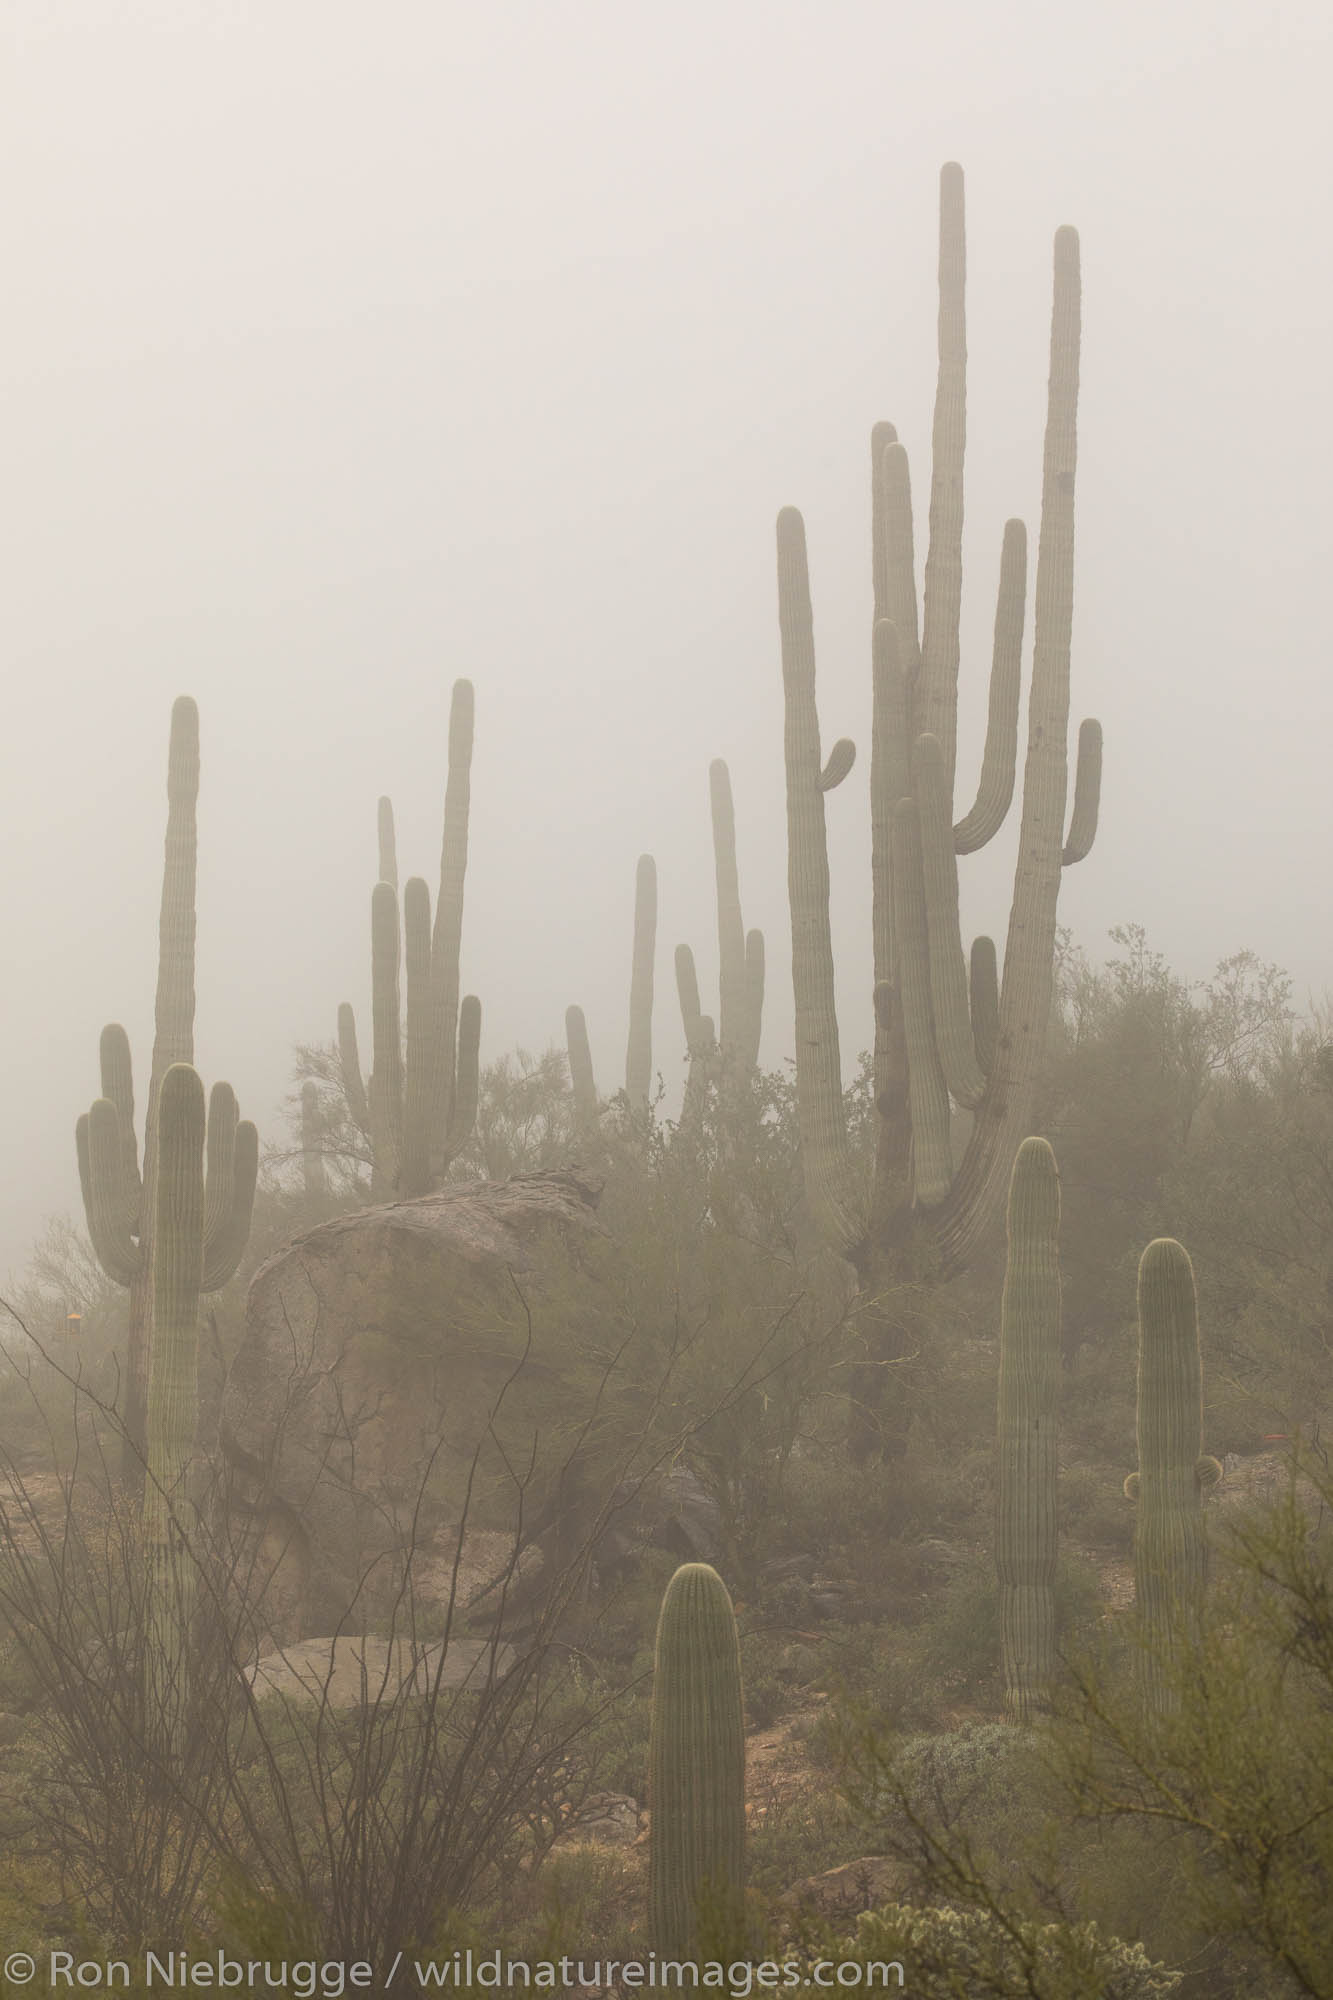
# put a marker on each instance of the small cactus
(696, 1758)
(1025, 1534)
(1170, 1547)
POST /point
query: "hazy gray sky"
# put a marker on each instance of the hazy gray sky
(349, 349)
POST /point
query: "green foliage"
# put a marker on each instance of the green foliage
(952, 1954)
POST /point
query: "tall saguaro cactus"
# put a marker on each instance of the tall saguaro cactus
(173, 1396)
(1170, 1547)
(1026, 1436)
(940, 1035)
(418, 1107)
(696, 1757)
(120, 1197)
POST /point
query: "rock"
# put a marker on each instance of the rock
(352, 1671)
(846, 1891)
(375, 1352)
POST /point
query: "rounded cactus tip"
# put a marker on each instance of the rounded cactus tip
(950, 171)
(882, 434)
(791, 526)
(1066, 244)
(185, 712)
(1034, 1186)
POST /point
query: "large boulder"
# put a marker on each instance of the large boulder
(389, 1385)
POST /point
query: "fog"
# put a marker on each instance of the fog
(351, 350)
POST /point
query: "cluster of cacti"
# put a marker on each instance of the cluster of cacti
(183, 1199)
(120, 1199)
(418, 1107)
(731, 1049)
(1026, 1436)
(933, 1042)
(639, 1048)
(696, 1759)
(1170, 1546)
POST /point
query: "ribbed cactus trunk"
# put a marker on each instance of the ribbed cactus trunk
(173, 1396)
(1170, 1545)
(1026, 1433)
(696, 1760)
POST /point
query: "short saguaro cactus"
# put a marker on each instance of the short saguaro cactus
(697, 1758)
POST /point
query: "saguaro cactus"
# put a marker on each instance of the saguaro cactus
(173, 1396)
(696, 1757)
(420, 1104)
(1026, 1437)
(1170, 1547)
(733, 1049)
(639, 1047)
(119, 1198)
(933, 1040)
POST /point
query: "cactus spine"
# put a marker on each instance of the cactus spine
(120, 1200)
(696, 1757)
(1170, 1547)
(173, 1396)
(1026, 1436)
(936, 1038)
(418, 1108)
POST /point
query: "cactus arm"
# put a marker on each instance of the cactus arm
(219, 1156)
(117, 1069)
(1025, 994)
(937, 691)
(687, 991)
(948, 978)
(415, 1176)
(100, 1148)
(224, 1245)
(467, 1081)
(581, 1079)
(984, 1001)
(840, 760)
(890, 780)
(1087, 793)
(447, 937)
(894, 557)
(639, 1049)
(385, 1091)
(820, 1116)
(928, 1095)
(754, 996)
(1026, 1435)
(696, 1758)
(354, 1090)
(312, 1155)
(388, 846)
(730, 925)
(999, 759)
